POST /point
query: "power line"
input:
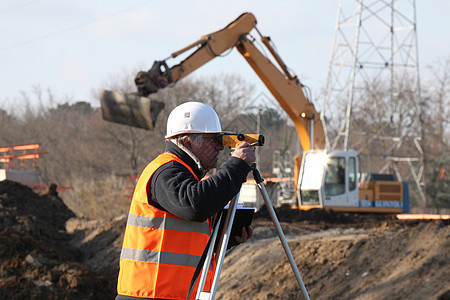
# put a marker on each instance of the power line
(46, 36)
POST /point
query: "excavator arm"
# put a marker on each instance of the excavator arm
(288, 91)
(285, 87)
(208, 47)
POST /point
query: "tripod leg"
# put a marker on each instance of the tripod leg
(280, 233)
(201, 284)
(223, 243)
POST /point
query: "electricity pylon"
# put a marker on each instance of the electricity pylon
(373, 81)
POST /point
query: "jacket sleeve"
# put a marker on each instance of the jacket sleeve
(175, 189)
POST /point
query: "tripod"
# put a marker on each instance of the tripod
(225, 235)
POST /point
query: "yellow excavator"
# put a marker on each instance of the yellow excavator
(326, 179)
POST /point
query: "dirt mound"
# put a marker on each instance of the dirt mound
(37, 257)
(355, 257)
(48, 253)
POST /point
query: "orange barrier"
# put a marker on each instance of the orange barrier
(9, 154)
(422, 217)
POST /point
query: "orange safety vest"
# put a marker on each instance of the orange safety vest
(160, 250)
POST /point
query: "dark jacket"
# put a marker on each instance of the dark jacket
(174, 189)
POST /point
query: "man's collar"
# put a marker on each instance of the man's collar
(186, 155)
(188, 152)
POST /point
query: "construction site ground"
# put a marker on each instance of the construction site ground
(47, 252)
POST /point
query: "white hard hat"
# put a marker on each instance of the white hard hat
(192, 117)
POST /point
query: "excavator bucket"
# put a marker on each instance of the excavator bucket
(130, 109)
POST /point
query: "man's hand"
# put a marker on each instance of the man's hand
(247, 233)
(245, 152)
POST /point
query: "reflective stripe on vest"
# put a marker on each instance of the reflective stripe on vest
(160, 250)
(160, 257)
(170, 224)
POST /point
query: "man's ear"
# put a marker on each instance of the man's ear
(186, 142)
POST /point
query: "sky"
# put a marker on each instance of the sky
(74, 48)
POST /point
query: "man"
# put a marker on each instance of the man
(171, 214)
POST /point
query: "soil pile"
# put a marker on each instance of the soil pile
(47, 252)
(341, 256)
(39, 258)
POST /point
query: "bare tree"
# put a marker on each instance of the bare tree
(437, 133)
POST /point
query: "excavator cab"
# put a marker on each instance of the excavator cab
(328, 179)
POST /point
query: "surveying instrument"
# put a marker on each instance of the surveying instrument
(231, 140)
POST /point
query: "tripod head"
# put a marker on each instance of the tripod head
(233, 139)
